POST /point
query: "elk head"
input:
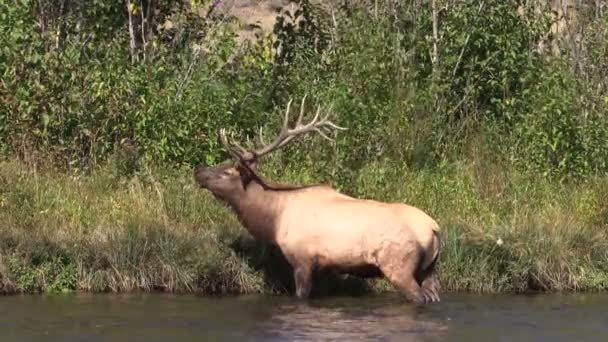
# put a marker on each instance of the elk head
(229, 180)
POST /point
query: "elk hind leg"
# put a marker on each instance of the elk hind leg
(430, 282)
(400, 269)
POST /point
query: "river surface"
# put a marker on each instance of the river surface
(161, 317)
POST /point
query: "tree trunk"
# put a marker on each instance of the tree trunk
(435, 52)
(141, 20)
(132, 43)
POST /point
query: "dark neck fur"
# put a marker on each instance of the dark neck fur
(272, 186)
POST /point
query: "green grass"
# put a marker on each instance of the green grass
(158, 232)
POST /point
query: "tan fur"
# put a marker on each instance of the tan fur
(318, 227)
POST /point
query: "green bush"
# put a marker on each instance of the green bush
(497, 140)
(80, 103)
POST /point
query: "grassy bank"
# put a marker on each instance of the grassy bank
(157, 231)
(481, 115)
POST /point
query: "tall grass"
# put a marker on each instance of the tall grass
(503, 145)
(502, 231)
(104, 234)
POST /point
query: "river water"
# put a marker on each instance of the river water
(385, 317)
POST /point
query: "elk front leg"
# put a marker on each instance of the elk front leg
(303, 279)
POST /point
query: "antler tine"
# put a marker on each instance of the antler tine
(321, 133)
(325, 121)
(299, 122)
(316, 117)
(284, 129)
(280, 139)
(261, 136)
(334, 126)
(237, 151)
(320, 125)
(299, 128)
(317, 124)
(224, 141)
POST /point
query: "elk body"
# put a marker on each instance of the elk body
(317, 227)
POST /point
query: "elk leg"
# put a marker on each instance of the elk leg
(430, 285)
(400, 269)
(429, 281)
(303, 280)
(405, 283)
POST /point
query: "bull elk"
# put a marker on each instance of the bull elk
(317, 227)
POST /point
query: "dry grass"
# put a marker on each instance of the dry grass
(115, 235)
(158, 232)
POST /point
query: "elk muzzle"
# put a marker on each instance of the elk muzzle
(202, 174)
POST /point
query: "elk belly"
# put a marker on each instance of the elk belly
(355, 267)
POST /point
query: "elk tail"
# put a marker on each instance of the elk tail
(430, 280)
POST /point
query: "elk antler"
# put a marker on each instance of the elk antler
(317, 125)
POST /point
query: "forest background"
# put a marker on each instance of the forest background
(491, 115)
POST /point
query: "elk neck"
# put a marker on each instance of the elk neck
(259, 209)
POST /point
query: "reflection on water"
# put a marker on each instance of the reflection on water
(349, 320)
(259, 318)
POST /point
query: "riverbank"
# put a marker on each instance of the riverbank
(157, 231)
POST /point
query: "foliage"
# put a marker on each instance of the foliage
(500, 140)
(157, 231)
(81, 102)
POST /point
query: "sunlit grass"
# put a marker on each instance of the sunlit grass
(116, 235)
(158, 232)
